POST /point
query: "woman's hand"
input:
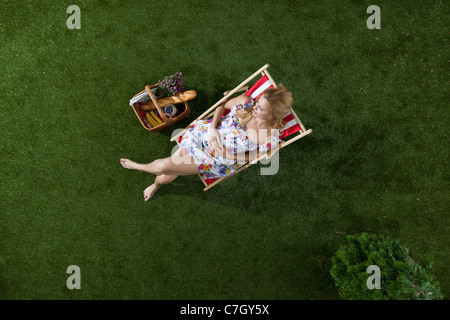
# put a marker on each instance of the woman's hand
(215, 143)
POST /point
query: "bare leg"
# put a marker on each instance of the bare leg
(166, 170)
(128, 164)
(178, 164)
(159, 181)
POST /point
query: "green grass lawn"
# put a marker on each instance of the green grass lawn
(377, 160)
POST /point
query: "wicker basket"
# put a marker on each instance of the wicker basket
(166, 120)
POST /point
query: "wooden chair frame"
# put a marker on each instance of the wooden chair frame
(210, 112)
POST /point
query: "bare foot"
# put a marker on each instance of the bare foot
(128, 164)
(150, 191)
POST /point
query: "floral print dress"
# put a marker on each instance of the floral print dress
(195, 142)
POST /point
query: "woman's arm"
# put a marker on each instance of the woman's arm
(214, 138)
(242, 99)
(239, 157)
(250, 155)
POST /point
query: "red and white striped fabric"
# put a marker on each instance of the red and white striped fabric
(256, 91)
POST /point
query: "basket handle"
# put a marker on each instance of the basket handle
(155, 102)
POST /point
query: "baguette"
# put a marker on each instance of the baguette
(178, 98)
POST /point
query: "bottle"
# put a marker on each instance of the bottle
(170, 110)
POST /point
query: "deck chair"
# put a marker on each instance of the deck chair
(293, 131)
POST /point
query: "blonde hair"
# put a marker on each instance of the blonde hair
(280, 102)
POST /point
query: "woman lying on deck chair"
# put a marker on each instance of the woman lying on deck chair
(217, 147)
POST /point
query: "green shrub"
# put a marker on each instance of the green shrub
(401, 278)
